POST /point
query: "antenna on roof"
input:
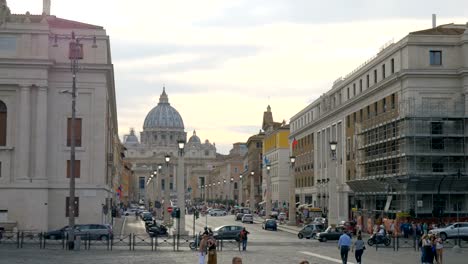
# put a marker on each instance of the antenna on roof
(434, 24)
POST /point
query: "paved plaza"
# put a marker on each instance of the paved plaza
(282, 246)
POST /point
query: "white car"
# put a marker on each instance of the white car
(452, 231)
(217, 212)
(130, 212)
(247, 218)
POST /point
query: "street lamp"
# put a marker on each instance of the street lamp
(167, 159)
(75, 53)
(332, 195)
(292, 191)
(252, 191)
(181, 188)
(241, 190)
(268, 194)
(231, 190)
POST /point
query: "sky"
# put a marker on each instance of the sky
(224, 62)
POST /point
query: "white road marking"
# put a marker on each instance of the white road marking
(324, 257)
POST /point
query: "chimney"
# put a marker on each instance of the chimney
(434, 24)
(46, 7)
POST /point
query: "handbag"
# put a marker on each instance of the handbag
(364, 248)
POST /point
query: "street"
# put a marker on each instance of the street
(281, 246)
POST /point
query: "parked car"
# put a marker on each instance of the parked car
(320, 220)
(310, 230)
(270, 224)
(331, 233)
(227, 232)
(217, 212)
(274, 214)
(156, 230)
(452, 231)
(147, 216)
(247, 218)
(60, 233)
(95, 232)
(239, 216)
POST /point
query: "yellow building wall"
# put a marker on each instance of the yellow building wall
(278, 139)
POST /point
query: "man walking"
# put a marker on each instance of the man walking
(343, 245)
(243, 238)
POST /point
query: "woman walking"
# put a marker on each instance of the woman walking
(212, 259)
(359, 246)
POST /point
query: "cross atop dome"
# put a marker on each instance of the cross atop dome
(164, 99)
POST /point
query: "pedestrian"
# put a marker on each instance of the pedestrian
(426, 250)
(236, 260)
(202, 249)
(211, 244)
(243, 238)
(358, 248)
(344, 245)
(439, 249)
(424, 228)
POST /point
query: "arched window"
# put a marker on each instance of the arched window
(3, 123)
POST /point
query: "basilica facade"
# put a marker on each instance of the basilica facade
(162, 129)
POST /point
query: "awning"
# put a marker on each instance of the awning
(262, 202)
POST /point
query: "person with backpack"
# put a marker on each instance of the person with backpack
(243, 238)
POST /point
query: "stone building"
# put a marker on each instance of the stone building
(399, 122)
(35, 114)
(162, 127)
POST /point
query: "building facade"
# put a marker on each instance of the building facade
(400, 126)
(252, 174)
(163, 127)
(35, 127)
(276, 154)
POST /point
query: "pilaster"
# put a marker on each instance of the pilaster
(24, 133)
(41, 134)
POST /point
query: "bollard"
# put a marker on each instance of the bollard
(130, 242)
(133, 247)
(22, 239)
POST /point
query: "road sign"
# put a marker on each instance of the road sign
(169, 209)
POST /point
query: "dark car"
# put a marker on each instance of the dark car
(270, 224)
(227, 232)
(310, 230)
(331, 233)
(239, 216)
(60, 233)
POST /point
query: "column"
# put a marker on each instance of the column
(24, 132)
(41, 134)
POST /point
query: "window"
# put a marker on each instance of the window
(347, 92)
(368, 82)
(376, 109)
(3, 123)
(392, 66)
(437, 144)
(383, 71)
(436, 128)
(435, 57)
(235, 170)
(0, 169)
(360, 86)
(368, 112)
(77, 168)
(354, 89)
(207, 152)
(393, 101)
(437, 167)
(375, 76)
(163, 184)
(235, 186)
(348, 122)
(360, 115)
(384, 105)
(77, 130)
(348, 148)
(76, 209)
(354, 117)
(142, 182)
(171, 186)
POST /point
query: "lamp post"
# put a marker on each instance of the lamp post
(75, 53)
(181, 188)
(268, 192)
(167, 198)
(241, 191)
(252, 191)
(332, 195)
(231, 190)
(292, 192)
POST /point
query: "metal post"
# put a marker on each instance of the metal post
(292, 193)
(194, 224)
(71, 199)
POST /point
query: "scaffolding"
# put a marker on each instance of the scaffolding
(405, 152)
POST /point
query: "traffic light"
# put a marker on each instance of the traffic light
(177, 213)
(114, 212)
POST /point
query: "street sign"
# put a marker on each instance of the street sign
(169, 209)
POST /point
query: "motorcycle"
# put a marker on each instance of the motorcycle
(194, 244)
(374, 239)
(157, 230)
